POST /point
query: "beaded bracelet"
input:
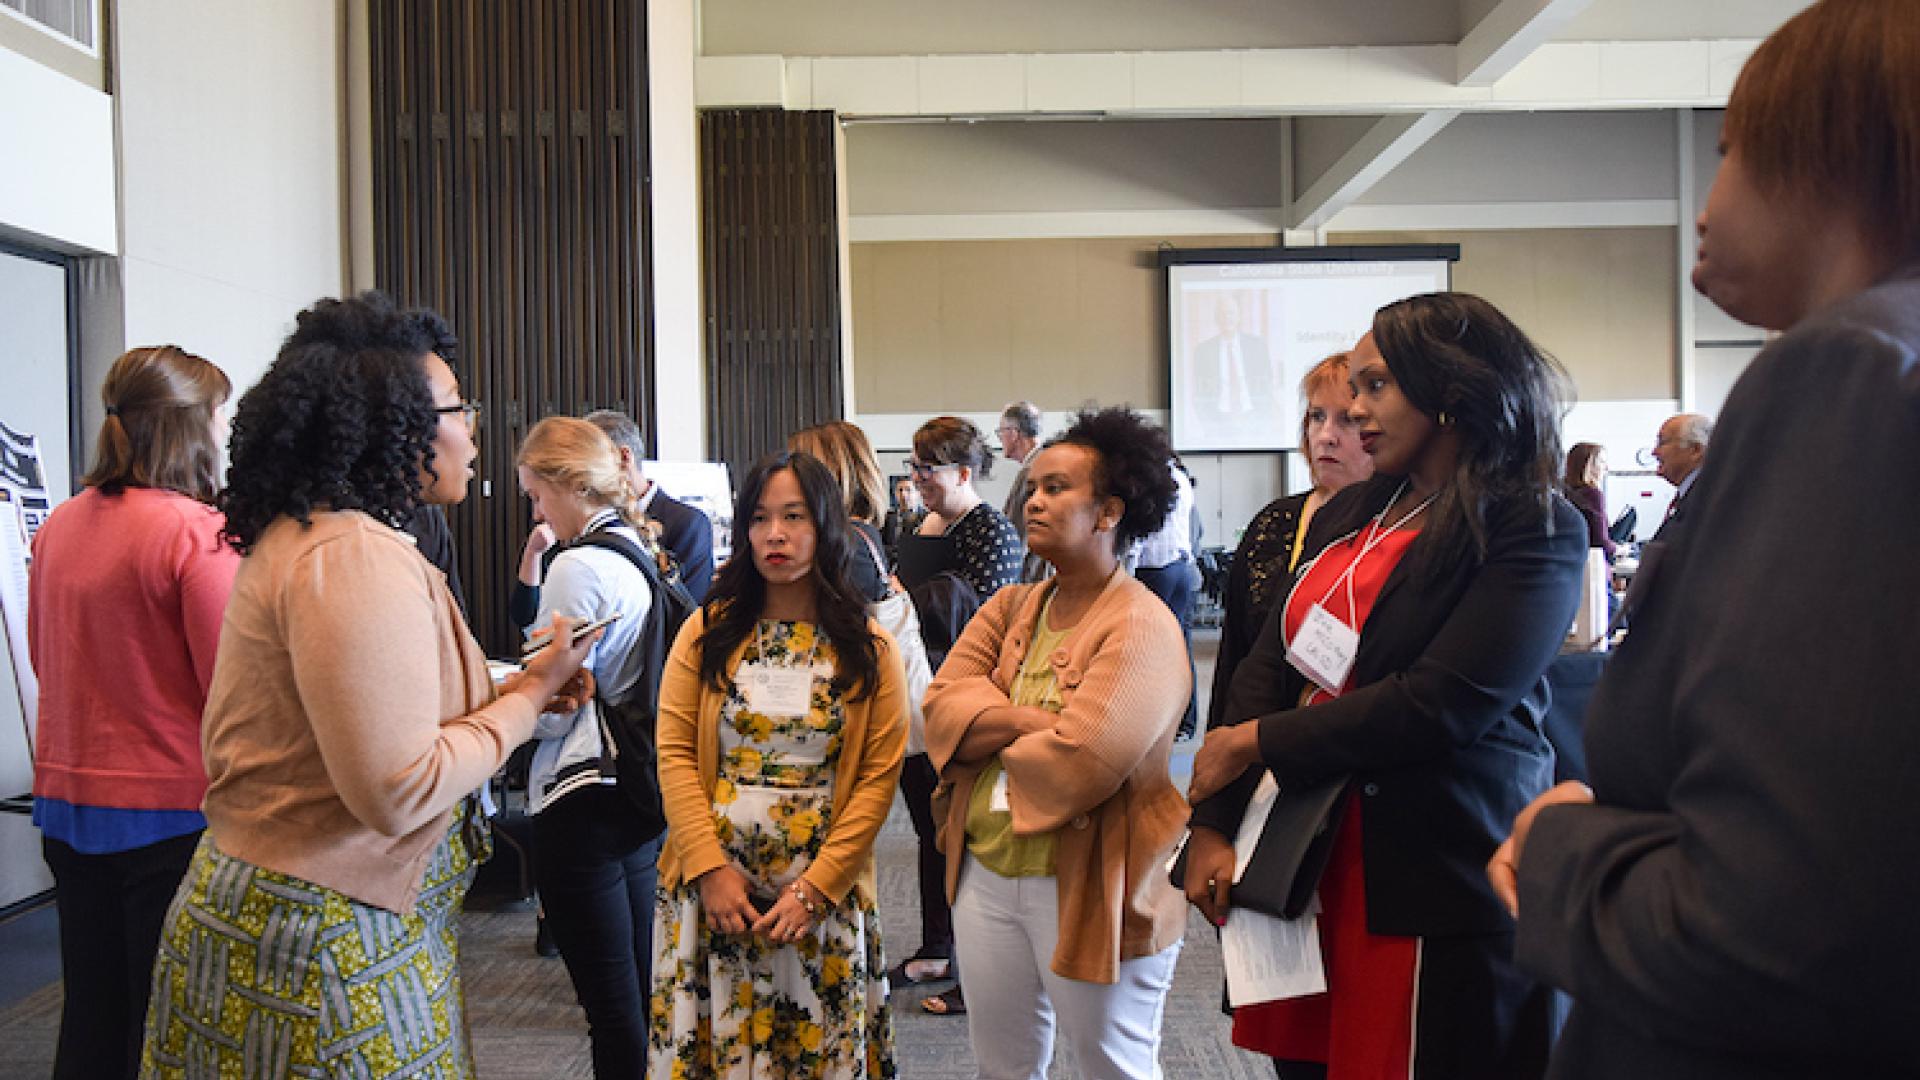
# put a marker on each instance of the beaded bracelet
(806, 902)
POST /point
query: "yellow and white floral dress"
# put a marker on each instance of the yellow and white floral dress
(736, 1005)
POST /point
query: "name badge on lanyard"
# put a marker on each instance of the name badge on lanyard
(1323, 649)
(777, 691)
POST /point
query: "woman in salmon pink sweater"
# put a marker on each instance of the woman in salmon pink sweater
(128, 584)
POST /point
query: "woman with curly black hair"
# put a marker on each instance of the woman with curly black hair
(1052, 721)
(350, 714)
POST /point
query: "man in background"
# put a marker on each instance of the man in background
(1680, 448)
(1163, 562)
(1019, 433)
(686, 532)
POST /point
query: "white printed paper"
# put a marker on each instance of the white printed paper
(1268, 958)
(13, 607)
(1253, 823)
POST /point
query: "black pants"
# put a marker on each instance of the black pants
(596, 876)
(112, 908)
(1173, 584)
(917, 781)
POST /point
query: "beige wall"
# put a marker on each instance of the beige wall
(232, 175)
(969, 325)
(871, 27)
(1063, 167)
(1601, 300)
(963, 326)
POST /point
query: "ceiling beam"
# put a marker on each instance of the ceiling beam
(1510, 33)
(1578, 75)
(1389, 142)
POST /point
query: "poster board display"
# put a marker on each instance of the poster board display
(705, 486)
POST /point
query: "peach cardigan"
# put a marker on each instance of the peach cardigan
(1098, 779)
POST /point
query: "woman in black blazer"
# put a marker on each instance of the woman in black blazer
(1464, 576)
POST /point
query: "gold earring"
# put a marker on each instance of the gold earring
(1445, 420)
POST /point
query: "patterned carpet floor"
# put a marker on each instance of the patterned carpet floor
(527, 1026)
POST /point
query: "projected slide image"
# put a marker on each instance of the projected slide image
(1233, 379)
(1244, 334)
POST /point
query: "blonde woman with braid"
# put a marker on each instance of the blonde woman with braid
(595, 849)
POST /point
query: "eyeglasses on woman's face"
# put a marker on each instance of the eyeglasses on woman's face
(468, 410)
(923, 470)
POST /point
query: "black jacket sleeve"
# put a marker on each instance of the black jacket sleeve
(1745, 883)
(523, 604)
(690, 538)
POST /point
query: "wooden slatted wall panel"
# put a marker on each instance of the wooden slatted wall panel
(510, 187)
(772, 246)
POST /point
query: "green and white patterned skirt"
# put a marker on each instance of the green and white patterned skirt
(262, 974)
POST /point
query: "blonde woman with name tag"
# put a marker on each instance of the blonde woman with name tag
(1410, 656)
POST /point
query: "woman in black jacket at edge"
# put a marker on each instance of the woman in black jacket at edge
(1734, 898)
(1465, 571)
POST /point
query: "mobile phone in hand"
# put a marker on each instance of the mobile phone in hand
(579, 632)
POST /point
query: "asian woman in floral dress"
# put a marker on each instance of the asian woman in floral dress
(782, 723)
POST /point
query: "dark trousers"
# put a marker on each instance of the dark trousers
(1174, 584)
(112, 908)
(917, 781)
(1477, 1015)
(596, 877)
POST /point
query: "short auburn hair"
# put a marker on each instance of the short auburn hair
(1829, 108)
(1328, 374)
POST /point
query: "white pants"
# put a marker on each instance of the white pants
(1004, 931)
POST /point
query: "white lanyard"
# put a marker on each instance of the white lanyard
(1323, 647)
(1375, 537)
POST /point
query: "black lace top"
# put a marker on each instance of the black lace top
(1257, 580)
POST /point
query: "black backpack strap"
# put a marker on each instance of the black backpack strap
(626, 726)
(614, 542)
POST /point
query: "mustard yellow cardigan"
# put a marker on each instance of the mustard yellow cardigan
(872, 741)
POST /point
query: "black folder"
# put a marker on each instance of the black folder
(1292, 851)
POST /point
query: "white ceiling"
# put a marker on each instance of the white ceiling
(928, 28)
(1378, 103)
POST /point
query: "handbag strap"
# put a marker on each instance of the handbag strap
(879, 561)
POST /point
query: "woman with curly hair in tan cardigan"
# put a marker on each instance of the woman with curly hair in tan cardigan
(1051, 723)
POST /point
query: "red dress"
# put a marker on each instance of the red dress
(1362, 1028)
